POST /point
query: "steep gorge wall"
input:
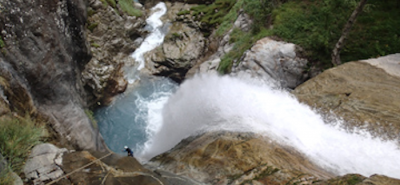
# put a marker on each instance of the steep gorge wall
(44, 51)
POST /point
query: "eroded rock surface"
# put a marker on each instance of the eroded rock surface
(44, 51)
(366, 96)
(277, 60)
(44, 163)
(114, 169)
(235, 158)
(182, 46)
(113, 36)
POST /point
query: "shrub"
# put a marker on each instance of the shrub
(17, 137)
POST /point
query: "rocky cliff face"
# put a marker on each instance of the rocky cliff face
(113, 35)
(183, 45)
(44, 51)
(365, 93)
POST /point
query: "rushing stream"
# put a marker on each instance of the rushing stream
(155, 115)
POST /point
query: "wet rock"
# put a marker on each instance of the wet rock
(114, 169)
(366, 94)
(182, 46)
(271, 59)
(113, 36)
(44, 163)
(235, 158)
(44, 54)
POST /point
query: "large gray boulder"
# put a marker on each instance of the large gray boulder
(271, 59)
(44, 163)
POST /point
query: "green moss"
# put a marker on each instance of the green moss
(93, 44)
(90, 12)
(17, 137)
(92, 26)
(2, 44)
(90, 115)
(127, 7)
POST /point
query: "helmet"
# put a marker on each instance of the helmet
(125, 147)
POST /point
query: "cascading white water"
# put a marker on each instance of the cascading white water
(156, 36)
(153, 39)
(211, 102)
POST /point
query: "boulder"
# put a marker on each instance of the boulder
(44, 163)
(366, 94)
(277, 60)
(182, 46)
(235, 158)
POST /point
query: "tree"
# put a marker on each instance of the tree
(345, 32)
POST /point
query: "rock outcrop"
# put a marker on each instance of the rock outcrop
(236, 158)
(182, 46)
(271, 59)
(113, 35)
(44, 52)
(224, 46)
(44, 163)
(94, 168)
(366, 94)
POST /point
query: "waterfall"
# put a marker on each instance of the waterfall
(153, 39)
(154, 116)
(210, 102)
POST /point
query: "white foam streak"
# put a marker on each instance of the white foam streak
(211, 102)
(156, 36)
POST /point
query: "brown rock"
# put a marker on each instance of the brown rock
(362, 94)
(233, 158)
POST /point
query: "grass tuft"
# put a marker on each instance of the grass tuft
(17, 137)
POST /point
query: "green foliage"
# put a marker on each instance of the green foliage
(93, 44)
(214, 13)
(317, 25)
(92, 26)
(90, 12)
(127, 7)
(2, 44)
(17, 137)
(353, 180)
(112, 3)
(243, 41)
(5, 177)
(183, 12)
(90, 115)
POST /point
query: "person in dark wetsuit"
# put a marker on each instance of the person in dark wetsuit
(130, 153)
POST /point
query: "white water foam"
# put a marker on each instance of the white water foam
(210, 102)
(156, 36)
